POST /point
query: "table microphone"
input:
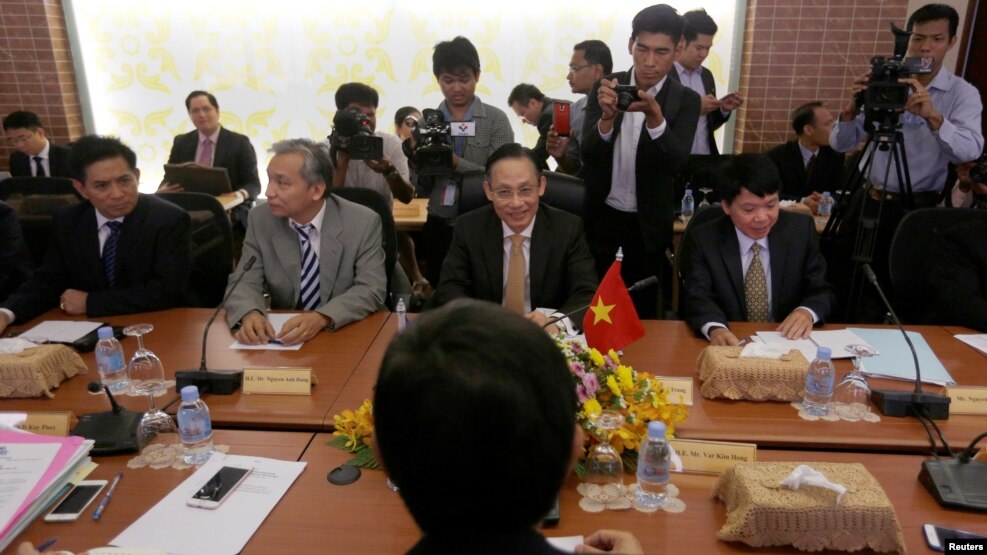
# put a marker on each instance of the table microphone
(902, 403)
(217, 382)
(643, 284)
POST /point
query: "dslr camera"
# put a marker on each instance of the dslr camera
(884, 98)
(978, 173)
(432, 154)
(352, 134)
(626, 94)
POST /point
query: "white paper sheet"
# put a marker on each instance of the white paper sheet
(173, 526)
(976, 340)
(836, 340)
(566, 543)
(23, 465)
(58, 331)
(277, 321)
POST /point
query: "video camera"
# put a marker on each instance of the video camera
(432, 154)
(353, 134)
(978, 173)
(884, 98)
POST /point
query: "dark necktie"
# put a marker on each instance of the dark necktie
(110, 253)
(810, 166)
(39, 168)
(309, 297)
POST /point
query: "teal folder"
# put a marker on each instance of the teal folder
(895, 358)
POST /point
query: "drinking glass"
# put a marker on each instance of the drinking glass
(147, 378)
(705, 191)
(603, 464)
(852, 394)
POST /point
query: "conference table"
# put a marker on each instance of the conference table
(177, 340)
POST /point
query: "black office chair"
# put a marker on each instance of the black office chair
(562, 191)
(212, 246)
(376, 202)
(681, 257)
(36, 199)
(913, 249)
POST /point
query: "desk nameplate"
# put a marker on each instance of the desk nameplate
(712, 457)
(967, 400)
(277, 381)
(47, 423)
(678, 388)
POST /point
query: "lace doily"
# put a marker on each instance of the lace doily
(839, 411)
(596, 498)
(159, 455)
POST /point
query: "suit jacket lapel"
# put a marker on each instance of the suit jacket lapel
(222, 149)
(289, 254)
(331, 249)
(730, 251)
(542, 240)
(130, 234)
(778, 255)
(493, 255)
(89, 239)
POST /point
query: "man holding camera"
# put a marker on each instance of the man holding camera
(633, 147)
(970, 190)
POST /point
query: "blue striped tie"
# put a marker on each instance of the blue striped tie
(309, 296)
(110, 253)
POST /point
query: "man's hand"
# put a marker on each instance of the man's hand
(649, 105)
(255, 329)
(709, 103)
(73, 301)
(731, 101)
(812, 201)
(607, 98)
(615, 541)
(798, 325)
(556, 145)
(850, 108)
(303, 327)
(170, 188)
(920, 104)
(540, 319)
(381, 166)
(4, 321)
(722, 337)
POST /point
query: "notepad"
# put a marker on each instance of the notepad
(976, 340)
(59, 331)
(895, 359)
(836, 340)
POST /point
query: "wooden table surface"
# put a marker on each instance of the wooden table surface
(141, 488)
(669, 348)
(177, 340)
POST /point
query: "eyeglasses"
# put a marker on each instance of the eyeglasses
(574, 69)
(506, 195)
(20, 140)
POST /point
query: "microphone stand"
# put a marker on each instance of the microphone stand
(217, 382)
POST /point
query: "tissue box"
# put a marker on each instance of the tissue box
(760, 513)
(34, 372)
(724, 374)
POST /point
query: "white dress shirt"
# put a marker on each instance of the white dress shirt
(314, 237)
(103, 230)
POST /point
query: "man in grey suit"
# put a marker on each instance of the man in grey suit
(314, 251)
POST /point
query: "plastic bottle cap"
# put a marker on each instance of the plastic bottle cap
(105, 332)
(190, 393)
(824, 353)
(656, 429)
(826, 193)
(688, 191)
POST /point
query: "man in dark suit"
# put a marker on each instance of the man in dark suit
(556, 270)
(36, 156)
(807, 165)
(15, 262)
(118, 252)
(699, 32)
(631, 157)
(212, 145)
(534, 108)
(758, 264)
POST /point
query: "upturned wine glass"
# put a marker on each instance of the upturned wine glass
(603, 464)
(852, 394)
(147, 378)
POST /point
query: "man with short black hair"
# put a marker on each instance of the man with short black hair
(35, 155)
(632, 156)
(758, 264)
(698, 34)
(118, 252)
(590, 61)
(555, 269)
(534, 108)
(808, 166)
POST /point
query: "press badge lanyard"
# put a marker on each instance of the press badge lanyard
(458, 145)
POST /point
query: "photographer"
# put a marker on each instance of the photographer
(970, 190)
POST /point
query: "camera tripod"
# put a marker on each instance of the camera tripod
(886, 138)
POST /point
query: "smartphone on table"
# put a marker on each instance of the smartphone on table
(218, 488)
(72, 505)
(937, 536)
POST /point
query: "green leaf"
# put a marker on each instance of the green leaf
(580, 469)
(364, 459)
(339, 442)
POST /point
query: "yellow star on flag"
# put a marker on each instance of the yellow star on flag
(601, 311)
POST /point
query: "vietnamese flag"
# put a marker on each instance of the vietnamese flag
(611, 321)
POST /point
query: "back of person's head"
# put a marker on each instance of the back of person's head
(804, 115)
(752, 171)
(698, 22)
(94, 148)
(454, 56)
(659, 18)
(316, 161)
(356, 93)
(210, 96)
(512, 150)
(474, 411)
(22, 120)
(596, 52)
(932, 12)
(403, 112)
(524, 93)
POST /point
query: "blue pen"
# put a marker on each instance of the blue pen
(46, 544)
(106, 498)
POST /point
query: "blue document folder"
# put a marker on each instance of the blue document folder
(895, 360)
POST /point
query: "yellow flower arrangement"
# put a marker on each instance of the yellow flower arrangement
(353, 431)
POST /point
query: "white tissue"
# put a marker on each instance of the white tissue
(14, 345)
(805, 475)
(764, 350)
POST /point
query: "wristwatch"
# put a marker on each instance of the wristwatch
(391, 174)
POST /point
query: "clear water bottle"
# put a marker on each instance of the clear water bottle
(194, 427)
(819, 383)
(653, 467)
(402, 313)
(109, 361)
(825, 205)
(688, 206)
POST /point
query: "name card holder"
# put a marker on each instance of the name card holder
(967, 400)
(46, 423)
(277, 381)
(712, 457)
(678, 388)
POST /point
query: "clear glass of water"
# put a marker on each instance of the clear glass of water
(147, 378)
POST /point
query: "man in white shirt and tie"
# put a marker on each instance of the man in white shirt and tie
(35, 155)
